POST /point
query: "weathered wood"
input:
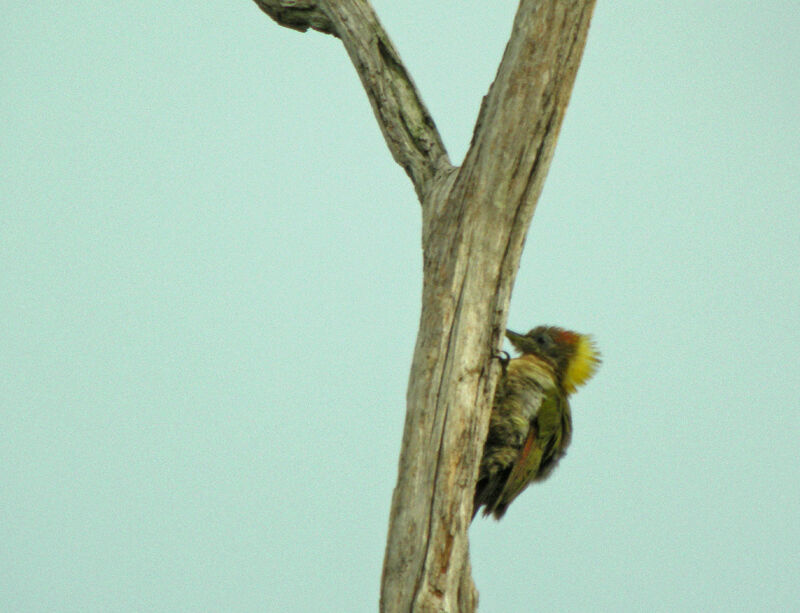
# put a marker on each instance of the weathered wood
(475, 219)
(406, 124)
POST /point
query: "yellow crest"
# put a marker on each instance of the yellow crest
(583, 364)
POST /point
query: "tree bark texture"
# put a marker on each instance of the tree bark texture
(475, 218)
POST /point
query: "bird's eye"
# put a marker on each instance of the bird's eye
(541, 339)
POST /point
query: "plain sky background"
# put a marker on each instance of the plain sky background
(209, 294)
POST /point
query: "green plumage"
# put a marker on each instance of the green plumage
(530, 426)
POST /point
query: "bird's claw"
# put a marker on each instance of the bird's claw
(504, 359)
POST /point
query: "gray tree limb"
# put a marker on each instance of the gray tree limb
(475, 219)
(406, 124)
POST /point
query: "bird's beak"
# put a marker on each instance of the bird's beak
(514, 337)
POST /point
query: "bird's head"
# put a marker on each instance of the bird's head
(574, 357)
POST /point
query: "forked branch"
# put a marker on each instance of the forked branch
(475, 219)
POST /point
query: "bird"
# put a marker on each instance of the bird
(530, 426)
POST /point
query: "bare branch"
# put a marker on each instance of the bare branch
(474, 227)
(297, 14)
(474, 224)
(518, 125)
(407, 126)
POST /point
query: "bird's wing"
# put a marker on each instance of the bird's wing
(542, 446)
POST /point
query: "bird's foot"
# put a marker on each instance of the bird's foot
(504, 359)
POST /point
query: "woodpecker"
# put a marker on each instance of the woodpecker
(531, 425)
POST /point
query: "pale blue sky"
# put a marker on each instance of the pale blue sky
(210, 280)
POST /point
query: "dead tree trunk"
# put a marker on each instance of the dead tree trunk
(475, 218)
